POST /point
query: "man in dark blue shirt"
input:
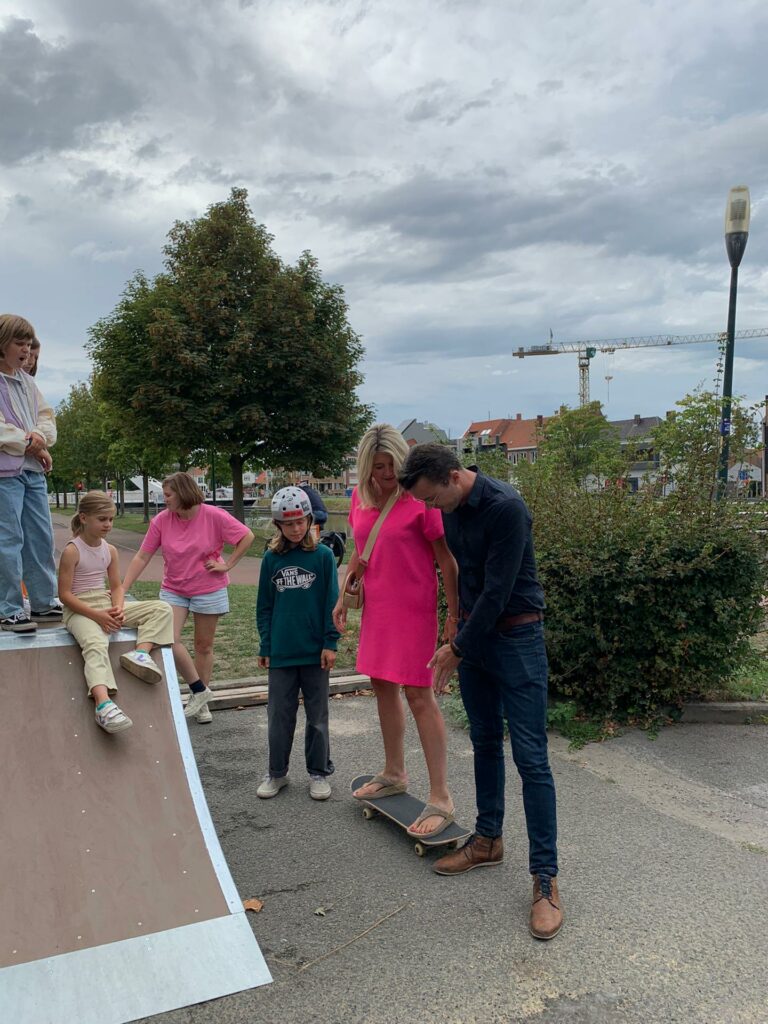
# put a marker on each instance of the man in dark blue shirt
(501, 660)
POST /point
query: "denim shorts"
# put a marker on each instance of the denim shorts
(215, 603)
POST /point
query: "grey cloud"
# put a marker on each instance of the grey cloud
(203, 170)
(297, 179)
(149, 151)
(107, 185)
(441, 101)
(50, 93)
(550, 86)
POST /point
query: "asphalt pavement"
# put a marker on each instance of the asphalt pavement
(664, 876)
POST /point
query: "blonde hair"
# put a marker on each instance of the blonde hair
(185, 489)
(279, 544)
(11, 327)
(381, 438)
(91, 504)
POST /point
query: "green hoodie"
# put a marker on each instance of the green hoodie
(294, 608)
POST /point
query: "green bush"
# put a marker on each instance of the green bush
(648, 600)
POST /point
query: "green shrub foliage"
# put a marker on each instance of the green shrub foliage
(648, 600)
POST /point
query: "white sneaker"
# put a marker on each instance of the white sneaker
(271, 786)
(140, 664)
(319, 787)
(204, 716)
(112, 719)
(197, 702)
(52, 614)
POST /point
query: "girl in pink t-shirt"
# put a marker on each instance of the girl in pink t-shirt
(191, 535)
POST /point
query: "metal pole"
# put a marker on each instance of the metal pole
(725, 419)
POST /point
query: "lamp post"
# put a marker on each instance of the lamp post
(736, 234)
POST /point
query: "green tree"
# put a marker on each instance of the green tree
(688, 442)
(579, 446)
(233, 350)
(491, 461)
(81, 451)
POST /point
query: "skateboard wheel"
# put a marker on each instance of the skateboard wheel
(419, 849)
(368, 813)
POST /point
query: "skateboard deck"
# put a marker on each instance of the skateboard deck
(404, 809)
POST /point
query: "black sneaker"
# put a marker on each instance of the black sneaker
(18, 623)
(52, 614)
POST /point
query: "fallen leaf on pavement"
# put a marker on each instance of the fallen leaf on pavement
(253, 905)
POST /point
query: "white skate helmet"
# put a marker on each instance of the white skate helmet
(289, 504)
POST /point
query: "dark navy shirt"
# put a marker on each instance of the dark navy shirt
(319, 511)
(490, 538)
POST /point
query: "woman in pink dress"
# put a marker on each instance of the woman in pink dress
(399, 621)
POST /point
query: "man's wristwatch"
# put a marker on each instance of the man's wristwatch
(455, 650)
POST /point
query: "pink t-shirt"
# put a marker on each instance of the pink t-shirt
(188, 544)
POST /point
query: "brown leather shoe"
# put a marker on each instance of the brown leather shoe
(477, 852)
(546, 909)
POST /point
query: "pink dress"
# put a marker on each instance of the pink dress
(399, 623)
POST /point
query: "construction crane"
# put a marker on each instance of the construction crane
(587, 350)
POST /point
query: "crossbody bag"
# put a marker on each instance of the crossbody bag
(354, 595)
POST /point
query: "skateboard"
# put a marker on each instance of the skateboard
(404, 809)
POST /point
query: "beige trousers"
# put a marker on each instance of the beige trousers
(153, 619)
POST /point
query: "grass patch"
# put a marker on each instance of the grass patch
(236, 649)
(751, 681)
(754, 848)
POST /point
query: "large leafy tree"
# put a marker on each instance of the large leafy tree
(234, 350)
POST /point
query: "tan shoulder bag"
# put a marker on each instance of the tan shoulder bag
(354, 595)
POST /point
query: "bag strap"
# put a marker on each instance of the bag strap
(364, 558)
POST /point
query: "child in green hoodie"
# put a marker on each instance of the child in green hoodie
(298, 588)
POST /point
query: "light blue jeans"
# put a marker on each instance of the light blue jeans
(26, 544)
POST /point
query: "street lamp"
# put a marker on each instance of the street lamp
(736, 234)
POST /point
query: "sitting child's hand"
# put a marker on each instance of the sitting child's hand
(108, 621)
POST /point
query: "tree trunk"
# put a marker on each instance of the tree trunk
(122, 495)
(236, 465)
(145, 492)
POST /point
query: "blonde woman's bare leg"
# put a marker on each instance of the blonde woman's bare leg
(392, 721)
(432, 733)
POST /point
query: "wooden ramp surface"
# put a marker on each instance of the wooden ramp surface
(109, 856)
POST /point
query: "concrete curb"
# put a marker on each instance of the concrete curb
(746, 712)
(251, 691)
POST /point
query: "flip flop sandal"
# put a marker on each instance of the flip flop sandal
(431, 811)
(388, 788)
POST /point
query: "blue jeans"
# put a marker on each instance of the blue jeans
(509, 681)
(26, 544)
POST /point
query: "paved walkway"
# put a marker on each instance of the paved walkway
(664, 867)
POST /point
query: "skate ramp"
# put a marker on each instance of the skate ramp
(116, 902)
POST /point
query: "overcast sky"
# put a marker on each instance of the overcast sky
(473, 173)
